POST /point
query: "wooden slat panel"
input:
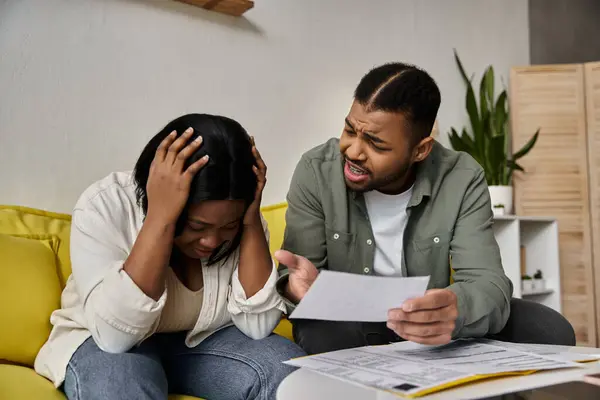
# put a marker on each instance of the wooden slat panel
(592, 100)
(556, 179)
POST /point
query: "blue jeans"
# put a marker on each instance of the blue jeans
(227, 365)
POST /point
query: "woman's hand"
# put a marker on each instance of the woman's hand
(252, 216)
(169, 181)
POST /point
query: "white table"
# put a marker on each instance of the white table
(304, 384)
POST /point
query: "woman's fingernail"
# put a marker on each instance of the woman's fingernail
(198, 139)
(189, 130)
(205, 157)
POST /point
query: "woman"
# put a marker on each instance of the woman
(173, 287)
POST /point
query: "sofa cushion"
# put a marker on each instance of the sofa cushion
(20, 383)
(29, 292)
(23, 220)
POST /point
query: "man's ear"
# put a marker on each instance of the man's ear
(422, 149)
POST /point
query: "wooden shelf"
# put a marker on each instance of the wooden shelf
(526, 245)
(537, 292)
(230, 7)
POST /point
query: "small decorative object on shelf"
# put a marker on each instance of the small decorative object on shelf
(526, 284)
(498, 209)
(231, 7)
(538, 281)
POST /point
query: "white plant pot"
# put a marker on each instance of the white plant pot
(502, 199)
(538, 284)
(527, 285)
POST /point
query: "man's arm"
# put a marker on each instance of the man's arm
(483, 290)
(305, 224)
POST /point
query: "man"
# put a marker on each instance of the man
(387, 199)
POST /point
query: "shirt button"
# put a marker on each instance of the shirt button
(336, 236)
(436, 239)
(366, 270)
(369, 242)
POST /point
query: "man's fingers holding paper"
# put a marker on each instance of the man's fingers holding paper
(448, 313)
(432, 300)
(403, 328)
(429, 319)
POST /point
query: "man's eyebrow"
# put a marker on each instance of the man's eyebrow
(374, 138)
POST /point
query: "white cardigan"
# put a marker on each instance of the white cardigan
(102, 301)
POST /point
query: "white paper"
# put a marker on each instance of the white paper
(562, 353)
(340, 296)
(411, 369)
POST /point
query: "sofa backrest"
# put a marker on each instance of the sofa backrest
(15, 220)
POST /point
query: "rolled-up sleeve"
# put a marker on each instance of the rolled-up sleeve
(117, 312)
(258, 315)
(482, 288)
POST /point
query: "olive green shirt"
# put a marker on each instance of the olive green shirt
(449, 218)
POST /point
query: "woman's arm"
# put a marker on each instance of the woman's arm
(259, 314)
(254, 304)
(149, 258)
(117, 312)
(122, 284)
(256, 263)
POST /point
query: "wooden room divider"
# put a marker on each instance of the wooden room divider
(562, 175)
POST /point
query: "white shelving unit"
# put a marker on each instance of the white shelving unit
(539, 237)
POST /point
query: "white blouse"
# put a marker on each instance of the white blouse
(102, 301)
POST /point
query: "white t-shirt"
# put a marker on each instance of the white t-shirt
(388, 217)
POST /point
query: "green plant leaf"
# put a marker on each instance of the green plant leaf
(455, 141)
(494, 158)
(513, 165)
(527, 147)
(468, 140)
(470, 103)
(459, 143)
(489, 82)
(461, 69)
(500, 115)
(484, 104)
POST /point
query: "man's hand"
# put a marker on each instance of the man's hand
(429, 319)
(302, 274)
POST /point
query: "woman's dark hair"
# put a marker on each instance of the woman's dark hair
(228, 175)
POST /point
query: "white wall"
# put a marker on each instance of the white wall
(85, 83)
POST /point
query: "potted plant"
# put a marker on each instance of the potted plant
(538, 281)
(487, 140)
(526, 284)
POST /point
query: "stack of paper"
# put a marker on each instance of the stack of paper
(407, 368)
(412, 370)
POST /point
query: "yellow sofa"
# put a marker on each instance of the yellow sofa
(34, 266)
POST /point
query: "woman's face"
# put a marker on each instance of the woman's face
(210, 224)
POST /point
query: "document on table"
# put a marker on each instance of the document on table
(412, 370)
(562, 353)
(340, 296)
